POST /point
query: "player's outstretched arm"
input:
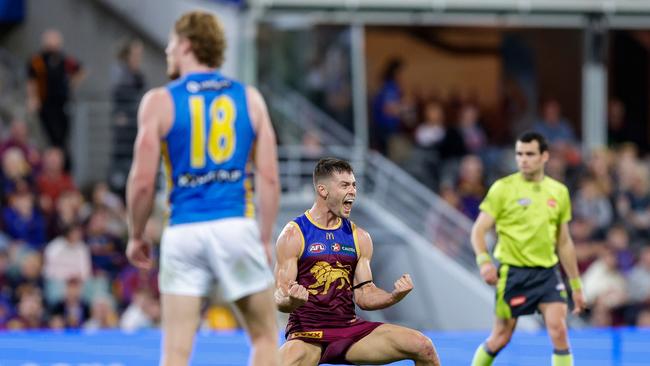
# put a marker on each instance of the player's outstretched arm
(366, 295)
(155, 108)
(267, 181)
(289, 295)
(567, 253)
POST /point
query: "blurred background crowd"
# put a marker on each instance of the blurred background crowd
(62, 242)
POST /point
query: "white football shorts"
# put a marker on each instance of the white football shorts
(227, 253)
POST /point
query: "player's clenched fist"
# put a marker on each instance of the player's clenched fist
(298, 294)
(403, 286)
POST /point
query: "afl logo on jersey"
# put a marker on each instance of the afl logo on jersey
(193, 87)
(336, 247)
(316, 248)
(524, 202)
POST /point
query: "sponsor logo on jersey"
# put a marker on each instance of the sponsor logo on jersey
(329, 236)
(317, 334)
(348, 249)
(210, 84)
(517, 300)
(316, 248)
(193, 87)
(336, 247)
(551, 203)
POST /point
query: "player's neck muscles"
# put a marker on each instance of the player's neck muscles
(323, 218)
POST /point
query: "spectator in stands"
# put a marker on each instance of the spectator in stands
(618, 240)
(591, 204)
(53, 180)
(639, 279)
(128, 82)
(19, 138)
(16, 173)
(128, 86)
(553, 126)
(102, 197)
(473, 135)
(52, 76)
(102, 314)
(388, 105)
(69, 210)
(633, 202)
(72, 309)
(31, 314)
(587, 249)
(23, 222)
(142, 312)
(471, 188)
(106, 249)
(599, 166)
(433, 133)
(604, 284)
(67, 256)
(29, 275)
(6, 289)
(6, 312)
(618, 130)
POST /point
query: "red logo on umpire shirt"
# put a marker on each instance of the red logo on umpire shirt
(551, 203)
(336, 247)
(517, 300)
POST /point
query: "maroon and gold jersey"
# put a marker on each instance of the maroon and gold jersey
(326, 269)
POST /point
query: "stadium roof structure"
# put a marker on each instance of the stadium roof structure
(619, 14)
(526, 6)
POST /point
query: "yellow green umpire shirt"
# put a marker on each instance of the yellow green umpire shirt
(528, 216)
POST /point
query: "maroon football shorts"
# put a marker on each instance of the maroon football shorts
(335, 342)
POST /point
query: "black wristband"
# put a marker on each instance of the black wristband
(360, 285)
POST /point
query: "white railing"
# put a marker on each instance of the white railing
(299, 115)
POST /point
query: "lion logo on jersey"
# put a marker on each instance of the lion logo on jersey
(326, 275)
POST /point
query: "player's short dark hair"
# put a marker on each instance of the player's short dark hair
(530, 136)
(206, 36)
(328, 166)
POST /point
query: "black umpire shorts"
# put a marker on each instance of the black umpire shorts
(520, 290)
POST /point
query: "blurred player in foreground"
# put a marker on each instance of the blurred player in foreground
(206, 127)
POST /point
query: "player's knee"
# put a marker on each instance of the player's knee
(424, 349)
(293, 353)
(263, 336)
(557, 330)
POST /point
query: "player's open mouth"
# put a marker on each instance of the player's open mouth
(347, 204)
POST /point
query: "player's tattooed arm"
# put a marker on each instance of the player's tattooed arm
(366, 295)
(289, 295)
